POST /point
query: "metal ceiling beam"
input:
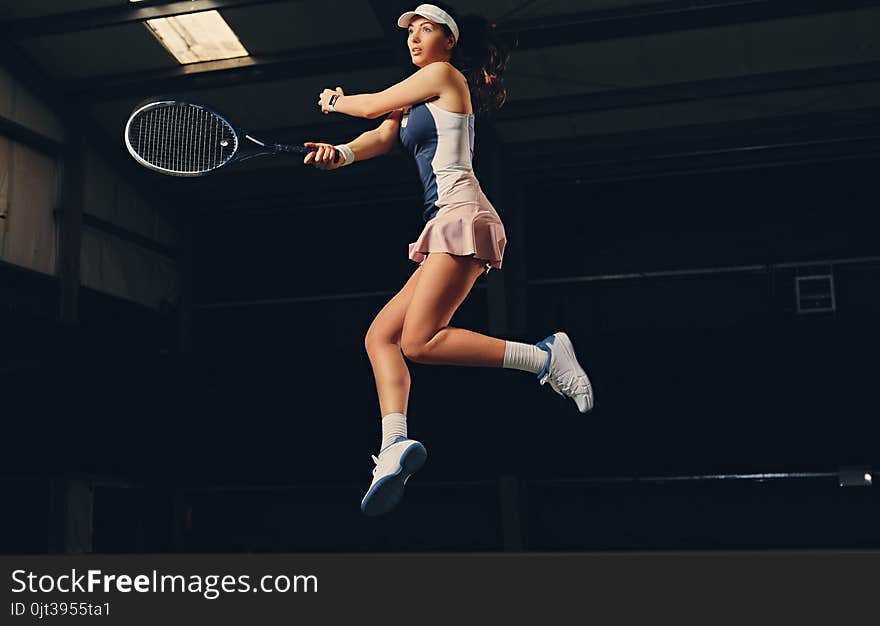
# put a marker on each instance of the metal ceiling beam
(124, 13)
(633, 21)
(130, 236)
(769, 82)
(660, 17)
(852, 126)
(603, 23)
(248, 70)
(32, 139)
(620, 156)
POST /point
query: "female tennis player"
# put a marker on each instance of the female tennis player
(431, 113)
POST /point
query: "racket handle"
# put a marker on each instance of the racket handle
(301, 150)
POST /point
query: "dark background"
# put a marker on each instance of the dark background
(243, 419)
(693, 375)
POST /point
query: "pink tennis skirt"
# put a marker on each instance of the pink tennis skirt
(465, 224)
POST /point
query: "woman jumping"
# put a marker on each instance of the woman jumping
(431, 113)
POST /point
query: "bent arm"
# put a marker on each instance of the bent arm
(426, 83)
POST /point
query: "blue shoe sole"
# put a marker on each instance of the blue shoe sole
(388, 490)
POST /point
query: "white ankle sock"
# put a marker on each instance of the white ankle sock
(524, 356)
(393, 425)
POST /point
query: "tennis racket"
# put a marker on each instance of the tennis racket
(186, 139)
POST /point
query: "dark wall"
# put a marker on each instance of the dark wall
(693, 374)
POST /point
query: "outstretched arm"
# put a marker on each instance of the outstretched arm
(377, 141)
(372, 143)
(424, 84)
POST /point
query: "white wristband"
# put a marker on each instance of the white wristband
(347, 152)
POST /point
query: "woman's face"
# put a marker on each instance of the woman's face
(427, 42)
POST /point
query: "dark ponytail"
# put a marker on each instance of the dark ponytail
(482, 56)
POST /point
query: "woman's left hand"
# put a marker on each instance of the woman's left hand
(324, 99)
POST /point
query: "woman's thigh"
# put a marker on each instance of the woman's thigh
(446, 281)
(387, 326)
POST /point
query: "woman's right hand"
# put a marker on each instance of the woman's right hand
(323, 156)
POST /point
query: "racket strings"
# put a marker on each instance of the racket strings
(182, 138)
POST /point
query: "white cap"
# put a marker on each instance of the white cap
(433, 13)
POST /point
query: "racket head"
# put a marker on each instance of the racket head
(180, 138)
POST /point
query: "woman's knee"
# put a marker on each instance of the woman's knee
(387, 326)
(378, 337)
(384, 330)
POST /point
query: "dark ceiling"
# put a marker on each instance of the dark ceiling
(587, 80)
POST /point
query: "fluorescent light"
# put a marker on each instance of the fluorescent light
(195, 37)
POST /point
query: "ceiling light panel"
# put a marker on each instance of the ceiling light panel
(196, 37)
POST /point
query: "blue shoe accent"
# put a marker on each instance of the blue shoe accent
(569, 378)
(388, 490)
(544, 344)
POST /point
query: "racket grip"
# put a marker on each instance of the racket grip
(302, 150)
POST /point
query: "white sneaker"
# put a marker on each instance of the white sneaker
(394, 465)
(564, 373)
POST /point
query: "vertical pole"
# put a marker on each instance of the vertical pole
(506, 288)
(70, 226)
(71, 515)
(185, 285)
